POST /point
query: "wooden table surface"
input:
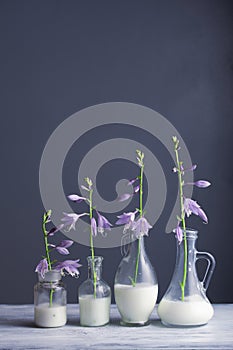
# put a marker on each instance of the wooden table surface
(17, 331)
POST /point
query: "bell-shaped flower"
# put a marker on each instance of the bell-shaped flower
(141, 227)
(103, 223)
(62, 247)
(132, 181)
(42, 267)
(127, 219)
(70, 220)
(76, 198)
(55, 229)
(179, 232)
(93, 227)
(124, 197)
(70, 266)
(202, 183)
(191, 206)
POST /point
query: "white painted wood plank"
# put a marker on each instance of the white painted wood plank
(17, 331)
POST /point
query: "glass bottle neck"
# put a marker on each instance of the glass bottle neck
(94, 267)
(188, 246)
(133, 247)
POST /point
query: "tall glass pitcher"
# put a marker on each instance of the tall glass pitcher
(135, 299)
(192, 309)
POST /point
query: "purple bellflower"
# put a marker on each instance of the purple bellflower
(76, 198)
(126, 219)
(141, 227)
(179, 232)
(124, 197)
(42, 268)
(62, 247)
(70, 220)
(191, 206)
(55, 229)
(132, 181)
(103, 223)
(70, 266)
(93, 227)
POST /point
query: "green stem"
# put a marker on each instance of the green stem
(46, 246)
(137, 263)
(48, 259)
(134, 281)
(141, 190)
(51, 296)
(91, 242)
(183, 283)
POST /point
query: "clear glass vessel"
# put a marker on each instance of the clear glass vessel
(50, 301)
(192, 309)
(135, 292)
(94, 303)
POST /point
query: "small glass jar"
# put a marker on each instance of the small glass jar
(50, 301)
(94, 296)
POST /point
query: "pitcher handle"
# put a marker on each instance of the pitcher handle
(210, 267)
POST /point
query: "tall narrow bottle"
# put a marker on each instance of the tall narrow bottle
(135, 301)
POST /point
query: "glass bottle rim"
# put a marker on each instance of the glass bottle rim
(97, 260)
(50, 276)
(190, 232)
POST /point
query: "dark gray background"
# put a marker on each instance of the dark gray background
(58, 57)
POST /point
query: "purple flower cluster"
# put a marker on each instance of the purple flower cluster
(139, 227)
(69, 266)
(188, 205)
(45, 264)
(100, 224)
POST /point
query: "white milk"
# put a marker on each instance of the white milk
(193, 311)
(94, 311)
(135, 304)
(46, 316)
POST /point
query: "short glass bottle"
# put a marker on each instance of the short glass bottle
(192, 308)
(50, 299)
(135, 301)
(94, 296)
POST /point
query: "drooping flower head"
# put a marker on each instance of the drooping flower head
(47, 264)
(126, 219)
(141, 227)
(76, 198)
(70, 266)
(70, 220)
(93, 227)
(191, 206)
(179, 233)
(42, 267)
(103, 223)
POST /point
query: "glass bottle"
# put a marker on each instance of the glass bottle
(192, 309)
(94, 301)
(136, 286)
(50, 300)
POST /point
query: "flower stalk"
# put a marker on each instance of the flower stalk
(187, 207)
(182, 216)
(46, 264)
(46, 218)
(90, 200)
(103, 223)
(141, 164)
